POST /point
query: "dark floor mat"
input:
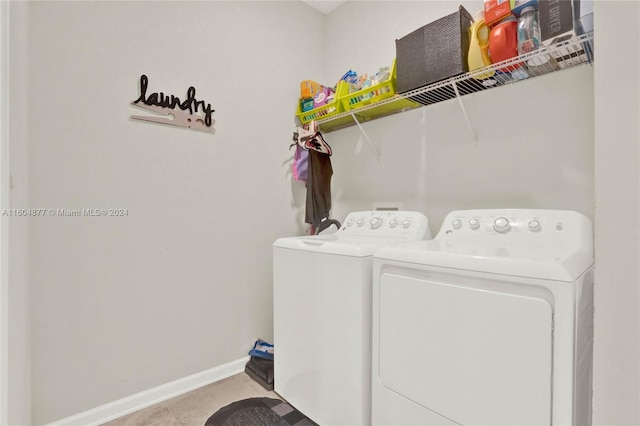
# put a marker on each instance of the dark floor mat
(259, 412)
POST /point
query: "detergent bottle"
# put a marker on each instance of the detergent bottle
(478, 56)
(503, 45)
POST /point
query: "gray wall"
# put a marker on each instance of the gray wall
(534, 146)
(19, 290)
(580, 151)
(616, 375)
(183, 283)
(119, 305)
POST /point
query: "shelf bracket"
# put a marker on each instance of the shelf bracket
(464, 111)
(365, 134)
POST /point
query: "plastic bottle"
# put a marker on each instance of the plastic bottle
(528, 31)
(479, 47)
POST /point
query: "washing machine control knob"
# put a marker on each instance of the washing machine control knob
(376, 223)
(350, 222)
(406, 223)
(534, 225)
(360, 222)
(502, 225)
(457, 223)
(474, 223)
(393, 223)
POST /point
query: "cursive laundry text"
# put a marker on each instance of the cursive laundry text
(170, 101)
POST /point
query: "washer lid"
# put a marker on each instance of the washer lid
(548, 263)
(345, 245)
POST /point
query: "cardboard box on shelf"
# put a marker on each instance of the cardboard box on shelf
(496, 10)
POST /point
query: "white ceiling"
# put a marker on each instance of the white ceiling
(324, 6)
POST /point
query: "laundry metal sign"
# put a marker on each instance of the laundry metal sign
(190, 112)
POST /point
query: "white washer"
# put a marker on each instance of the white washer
(489, 323)
(322, 314)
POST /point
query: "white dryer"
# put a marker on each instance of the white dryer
(489, 323)
(322, 314)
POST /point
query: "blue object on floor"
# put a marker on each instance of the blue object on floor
(262, 349)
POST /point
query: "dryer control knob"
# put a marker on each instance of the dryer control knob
(360, 222)
(534, 225)
(376, 223)
(502, 225)
(474, 223)
(406, 223)
(457, 223)
(350, 222)
(393, 223)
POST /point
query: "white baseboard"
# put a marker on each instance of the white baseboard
(121, 407)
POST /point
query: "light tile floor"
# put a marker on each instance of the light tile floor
(195, 407)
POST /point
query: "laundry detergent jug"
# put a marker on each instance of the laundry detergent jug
(478, 56)
(503, 42)
(503, 45)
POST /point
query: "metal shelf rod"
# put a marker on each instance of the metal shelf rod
(464, 111)
(365, 135)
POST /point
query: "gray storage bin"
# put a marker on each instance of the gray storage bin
(434, 52)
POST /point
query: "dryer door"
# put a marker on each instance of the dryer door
(470, 355)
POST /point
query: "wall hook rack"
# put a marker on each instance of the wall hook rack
(173, 117)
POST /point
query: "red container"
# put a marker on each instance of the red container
(503, 43)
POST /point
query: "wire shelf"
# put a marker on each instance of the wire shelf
(565, 54)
